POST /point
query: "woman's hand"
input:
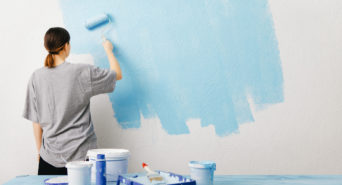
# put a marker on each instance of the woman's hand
(107, 45)
(113, 62)
(38, 134)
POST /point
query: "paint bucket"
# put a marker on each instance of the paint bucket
(79, 172)
(202, 172)
(116, 162)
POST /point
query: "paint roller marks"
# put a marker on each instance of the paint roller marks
(185, 59)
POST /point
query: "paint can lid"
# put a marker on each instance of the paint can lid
(79, 164)
(203, 164)
(110, 154)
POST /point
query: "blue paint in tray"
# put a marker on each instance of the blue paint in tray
(142, 179)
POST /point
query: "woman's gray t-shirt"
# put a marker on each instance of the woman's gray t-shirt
(59, 100)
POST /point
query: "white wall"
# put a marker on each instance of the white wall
(302, 135)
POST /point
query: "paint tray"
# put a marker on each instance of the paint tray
(142, 179)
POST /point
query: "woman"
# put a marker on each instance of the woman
(58, 103)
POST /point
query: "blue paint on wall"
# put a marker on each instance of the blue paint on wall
(185, 59)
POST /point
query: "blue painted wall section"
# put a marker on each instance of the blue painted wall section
(184, 59)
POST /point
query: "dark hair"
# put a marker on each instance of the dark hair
(54, 41)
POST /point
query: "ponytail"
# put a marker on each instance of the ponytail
(49, 62)
(54, 42)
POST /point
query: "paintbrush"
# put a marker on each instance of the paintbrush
(152, 175)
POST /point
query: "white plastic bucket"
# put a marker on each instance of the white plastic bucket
(116, 162)
(202, 172)
(79, 172)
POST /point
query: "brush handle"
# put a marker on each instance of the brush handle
(149, 171)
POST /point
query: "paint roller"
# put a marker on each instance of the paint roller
(97, 22)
